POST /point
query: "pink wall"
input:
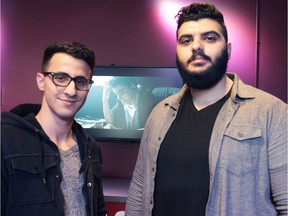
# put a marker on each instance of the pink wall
(273, 48)
(130, 32)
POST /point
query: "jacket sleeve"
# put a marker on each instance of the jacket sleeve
(118, 115)
(101, 209)
(277, 153)
(101, 202)
(4, 186)
(135, 193)
(98, 200)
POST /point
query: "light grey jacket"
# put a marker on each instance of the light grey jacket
(247, 155)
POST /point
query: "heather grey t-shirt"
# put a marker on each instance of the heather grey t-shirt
(72, 182)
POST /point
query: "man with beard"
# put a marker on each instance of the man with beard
(218, 147)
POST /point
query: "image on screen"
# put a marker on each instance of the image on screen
(121, 99)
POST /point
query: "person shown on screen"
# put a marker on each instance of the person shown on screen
(133, 104)
(219, 146)
(49, 165)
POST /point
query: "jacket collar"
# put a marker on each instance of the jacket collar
(239, 92)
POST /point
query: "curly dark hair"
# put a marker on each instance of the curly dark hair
(196, 11)
(75, 49)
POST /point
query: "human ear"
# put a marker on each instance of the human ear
(40, 81)
(229, 48)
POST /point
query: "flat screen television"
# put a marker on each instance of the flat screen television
(157, 82)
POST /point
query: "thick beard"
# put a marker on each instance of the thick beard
(207, 78)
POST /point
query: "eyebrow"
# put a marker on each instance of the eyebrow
(64, 73)
(211, 32)
(202, 34)
(120, 91)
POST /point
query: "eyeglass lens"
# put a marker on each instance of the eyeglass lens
(64, 80)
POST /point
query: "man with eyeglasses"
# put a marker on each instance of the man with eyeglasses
(49, 165)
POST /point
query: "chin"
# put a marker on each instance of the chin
(196, 70)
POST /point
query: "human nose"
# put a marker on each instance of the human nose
(71, 88)
(197, 45)
(119, 97)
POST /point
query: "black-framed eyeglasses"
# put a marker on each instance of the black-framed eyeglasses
(63, 79)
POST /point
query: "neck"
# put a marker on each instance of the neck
(132, 100)
(205, 97)
(58, 130)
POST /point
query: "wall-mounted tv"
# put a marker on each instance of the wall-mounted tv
(122, 97)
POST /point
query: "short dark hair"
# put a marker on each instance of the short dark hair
(130, 82)
(75, 49)
(196, 11)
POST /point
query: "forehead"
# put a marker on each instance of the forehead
(119, 88)
(199, 27)
(61, 62)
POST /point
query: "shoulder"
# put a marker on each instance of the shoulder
(264, 99)
(166, 108)
(248, 94)
(171, 102)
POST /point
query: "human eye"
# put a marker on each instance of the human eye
(121, 93)
(61, 77)
(81, 81)
(211, 37)
(185, 40)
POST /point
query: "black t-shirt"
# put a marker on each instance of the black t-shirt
(182, 177)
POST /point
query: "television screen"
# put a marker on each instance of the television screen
(122, 97)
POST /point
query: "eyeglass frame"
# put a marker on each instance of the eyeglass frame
(90, 81)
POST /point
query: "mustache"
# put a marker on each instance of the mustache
(198, 53)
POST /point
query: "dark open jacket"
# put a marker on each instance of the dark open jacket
(30, 167)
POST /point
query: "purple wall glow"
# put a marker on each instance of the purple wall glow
(133, 33)
(129, 33)
(273, 48)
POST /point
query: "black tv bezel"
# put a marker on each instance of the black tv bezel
(135, 71)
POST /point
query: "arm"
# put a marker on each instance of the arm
(106, 106)
(98, 201)
(4, 187)
(277, 153)
(134, 199)
(101, 209)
